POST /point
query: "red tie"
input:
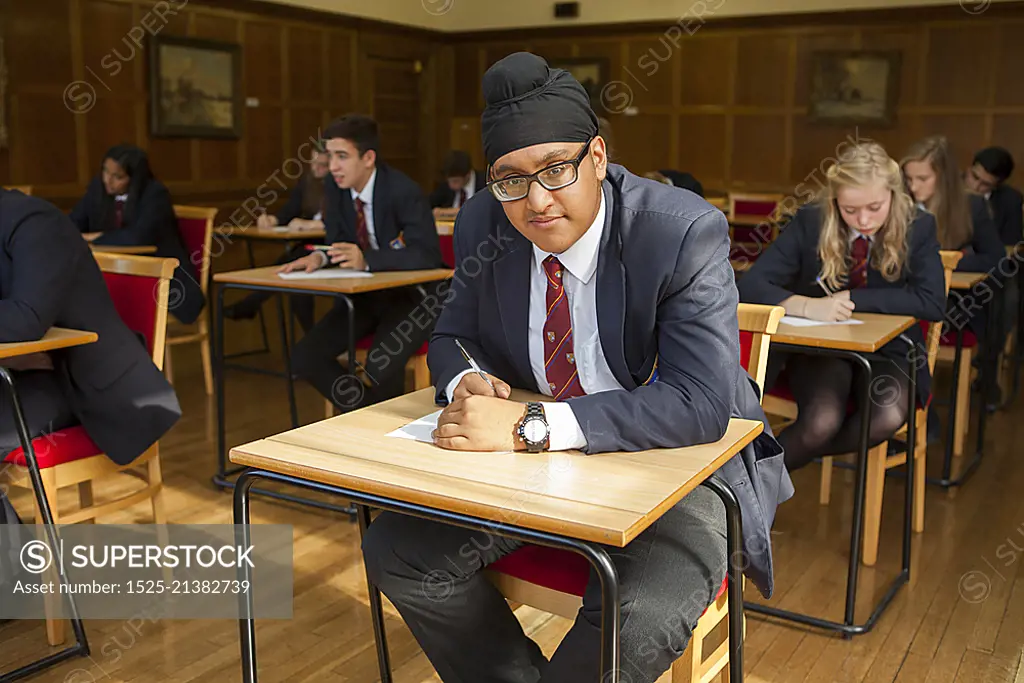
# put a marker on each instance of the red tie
(859, 269)
(559, 361)
(118, 212)
(362, 234)
(462, 198)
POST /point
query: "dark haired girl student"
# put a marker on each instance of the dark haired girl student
(126, 206)
(866, 242)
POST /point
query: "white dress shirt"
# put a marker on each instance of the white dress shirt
(579, 279)
(469, 188)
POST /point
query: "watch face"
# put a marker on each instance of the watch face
(535, 431)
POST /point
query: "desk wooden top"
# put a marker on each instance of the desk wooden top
(445, 227)
(55, 338)
(608, 498)
(283, 233)
(876, 331)
(132, 249)
(964, 280)
(268, 276)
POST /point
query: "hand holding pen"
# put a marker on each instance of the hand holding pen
(479, 383)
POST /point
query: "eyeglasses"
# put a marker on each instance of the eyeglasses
(554, 177)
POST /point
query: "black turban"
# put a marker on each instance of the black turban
(529, 103)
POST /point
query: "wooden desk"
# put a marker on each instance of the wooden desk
(445, 227)
(851, 343)
(54, 339)
(564, 500)
(963, 280)
(140, 249)
(279, 234)
(266, 279)
(876, 331)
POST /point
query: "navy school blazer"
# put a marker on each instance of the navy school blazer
(790, 265)
(666, 301)
(985, 248)
(402, 222)
(1008, 214)
(155, 225)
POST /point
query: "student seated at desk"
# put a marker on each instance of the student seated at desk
(987, 177)
(377, 219)
(304, 211)
(126, 206)
(614, 295)
(865, 241)
(460, 184)
(49, 278)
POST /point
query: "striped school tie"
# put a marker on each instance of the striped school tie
(859, 255)
(559, 360)
(362, 233)
(118, 212)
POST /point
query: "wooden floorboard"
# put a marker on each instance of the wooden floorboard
(960, 620)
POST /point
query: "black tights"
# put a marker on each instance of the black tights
(822, 387)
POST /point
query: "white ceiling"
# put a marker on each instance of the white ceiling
(475, 15)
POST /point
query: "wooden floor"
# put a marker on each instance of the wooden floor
(961, 620)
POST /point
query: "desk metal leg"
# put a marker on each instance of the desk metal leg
(287, 357)
(848, 627)
(376, 609)
(734, 541)
(246, 622)
(81, 646)
(596, 556)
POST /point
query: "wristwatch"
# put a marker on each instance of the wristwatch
(534, 429)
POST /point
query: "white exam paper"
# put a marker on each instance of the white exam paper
(805, 322)
(418, 430)
(324, 274)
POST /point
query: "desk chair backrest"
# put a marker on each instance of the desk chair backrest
(757, 325)
(139, 287)
(24, 189)
(933, 331)
(195, 224)
(753, 209)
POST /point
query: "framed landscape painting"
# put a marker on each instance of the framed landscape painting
(195, 88)
(854, 87)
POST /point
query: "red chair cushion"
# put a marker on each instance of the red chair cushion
(366, 342)
(762, 209)
(193, 235)
(447, 249)
(134, 297)
(57, 448)
(560, 570)
(746, 343)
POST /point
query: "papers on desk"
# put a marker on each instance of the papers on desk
(806, 322)
(419, 430)
(324, 274)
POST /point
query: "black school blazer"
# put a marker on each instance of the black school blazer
(790, 265)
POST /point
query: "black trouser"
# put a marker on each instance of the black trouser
(668, 575)
(400, 326)
(42, 400)
(302, 305)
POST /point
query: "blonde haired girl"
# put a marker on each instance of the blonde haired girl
(861, 247)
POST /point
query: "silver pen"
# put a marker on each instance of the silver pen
(476, 368)
(824, 287)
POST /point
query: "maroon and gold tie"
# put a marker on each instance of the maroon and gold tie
(859, 268)
(462, 198)
(559, 359)
(362, 234)
(118, 212)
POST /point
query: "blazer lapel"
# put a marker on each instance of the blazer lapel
(512, 285)
(611, 295)
(381, 209)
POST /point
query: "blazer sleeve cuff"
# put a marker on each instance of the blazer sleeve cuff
(565, 433)
(450, 389)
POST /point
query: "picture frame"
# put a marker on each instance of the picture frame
(854, 87)
(195, 88)
(591, 72)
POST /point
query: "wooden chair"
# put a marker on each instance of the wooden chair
(69, 457)
(554, 580)
(24, 189)
(195, 223)
(720, 203)
(879, 459)
(748, 214)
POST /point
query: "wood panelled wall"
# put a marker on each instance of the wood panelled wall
(729, 103)
(305, 68)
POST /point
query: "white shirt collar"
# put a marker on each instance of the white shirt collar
(852, 236)
(121, 198)
(471, 183)
(367, 194)
(581, 258)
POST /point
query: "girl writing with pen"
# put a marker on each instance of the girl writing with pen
(862, 247)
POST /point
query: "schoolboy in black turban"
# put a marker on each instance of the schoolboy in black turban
(529, 103)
